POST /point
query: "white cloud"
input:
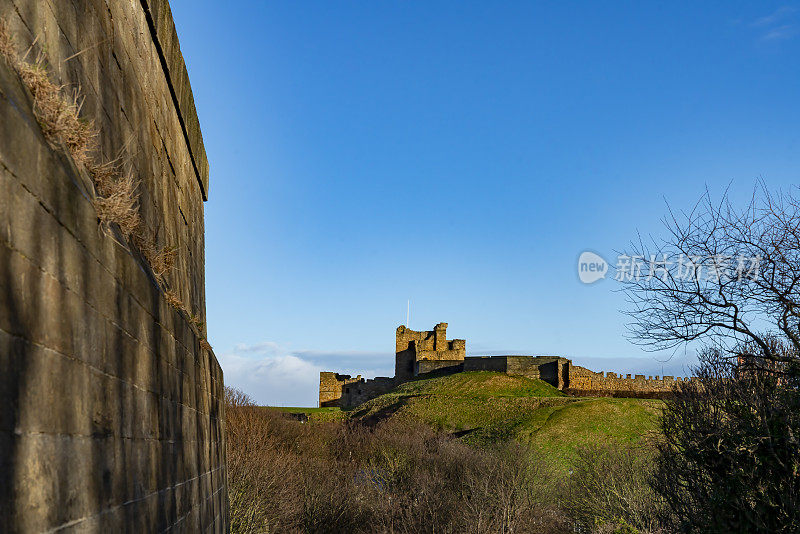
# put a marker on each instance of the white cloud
(278, 379)
(779, 25)
(277, 376)
(782, 32)
(775, 17)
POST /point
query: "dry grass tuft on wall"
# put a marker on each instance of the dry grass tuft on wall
(173, 299)
(161, 260)
(59, 118)
(116, 194)
(120, 205)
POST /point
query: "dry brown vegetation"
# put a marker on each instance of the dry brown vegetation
(59, 115)
(402, 476)
(118, 204)
(609, 490)
(116, 199)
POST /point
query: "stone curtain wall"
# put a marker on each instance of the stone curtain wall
(551, 369)
(439, 366)
(497, 364)
(584, 382)
(366, 390)
(111, 412)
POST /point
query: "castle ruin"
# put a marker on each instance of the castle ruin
(429, 353)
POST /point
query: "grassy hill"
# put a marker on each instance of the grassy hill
(485, 407)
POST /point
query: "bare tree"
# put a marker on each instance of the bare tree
(729, 279)
(722, 275)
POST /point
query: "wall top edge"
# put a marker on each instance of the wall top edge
(165, 37)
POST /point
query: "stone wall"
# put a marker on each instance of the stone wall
(412, 346)
(332, 386)
(345, 391)
(137, 92)
(585, 382)
(551, 369)
(498, 364)
(439, 366)
(111, 411)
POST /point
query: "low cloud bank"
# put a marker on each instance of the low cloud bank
(275, 375)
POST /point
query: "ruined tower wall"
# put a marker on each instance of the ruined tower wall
(411, 347)
(406, 342)
(111, 412)
(345, 391)
(332, 386)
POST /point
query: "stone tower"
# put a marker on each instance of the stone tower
(412, 347)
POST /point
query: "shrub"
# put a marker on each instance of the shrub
(730, 460)
(609, 490)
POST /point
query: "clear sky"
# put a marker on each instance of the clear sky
(462, 155)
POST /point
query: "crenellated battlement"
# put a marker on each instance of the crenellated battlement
(586, 382)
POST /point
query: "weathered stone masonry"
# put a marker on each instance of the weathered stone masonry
(422, 353)
(111, 414)
(584, 382)
(413, 348)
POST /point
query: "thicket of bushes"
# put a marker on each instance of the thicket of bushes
(730, 457)
(727, 460)
(400, 476)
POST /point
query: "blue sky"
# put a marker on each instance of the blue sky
(462, 156)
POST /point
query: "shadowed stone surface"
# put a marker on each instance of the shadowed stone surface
(111, 414)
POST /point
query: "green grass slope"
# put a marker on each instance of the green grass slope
(486, 407)
(479, 384)
(560, 430)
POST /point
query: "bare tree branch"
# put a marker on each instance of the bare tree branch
(724, 275)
